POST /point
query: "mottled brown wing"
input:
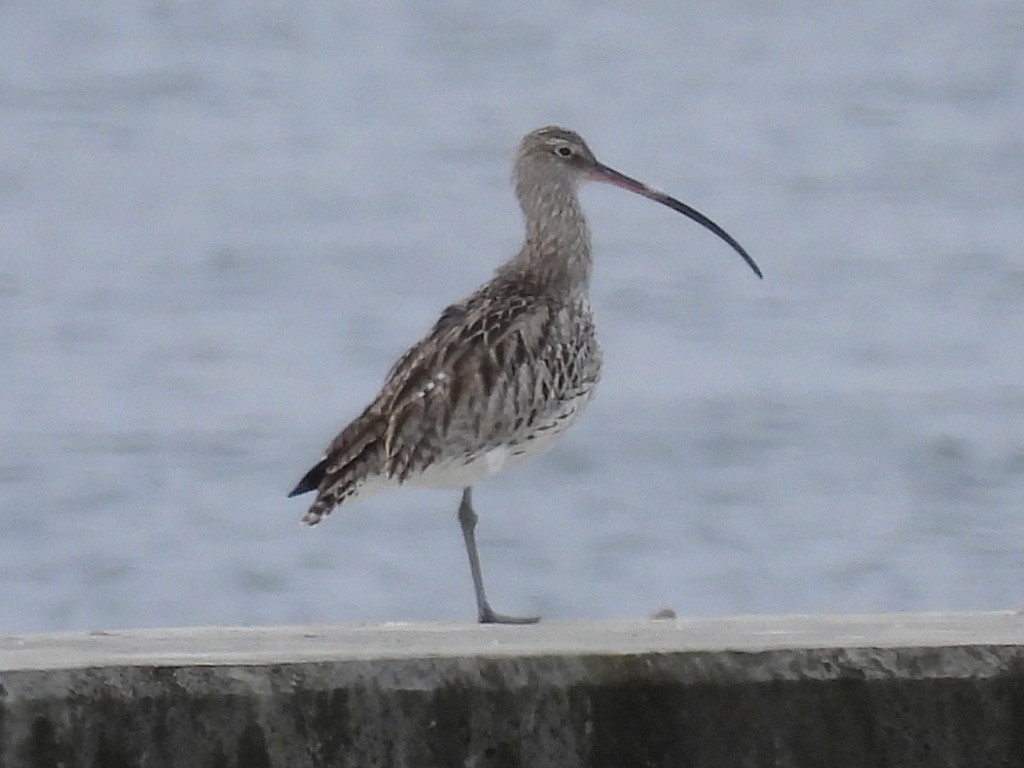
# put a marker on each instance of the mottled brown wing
(440, 397)
(405, 426)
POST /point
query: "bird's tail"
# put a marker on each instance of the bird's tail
(354, 456)
(312, 479)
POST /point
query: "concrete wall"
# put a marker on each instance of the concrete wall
(884, 690)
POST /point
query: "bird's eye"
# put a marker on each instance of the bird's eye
(564, 151)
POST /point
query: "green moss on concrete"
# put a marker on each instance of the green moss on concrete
(252, 748)
(323, 719)
(41, 749)
(896, 708)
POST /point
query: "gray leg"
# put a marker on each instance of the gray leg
(467, 519)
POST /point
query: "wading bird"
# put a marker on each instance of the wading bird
(504, 371)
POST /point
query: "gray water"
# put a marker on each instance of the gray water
(222, 222)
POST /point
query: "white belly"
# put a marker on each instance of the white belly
(462, 471)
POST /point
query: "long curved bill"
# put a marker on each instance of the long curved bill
(601, 172)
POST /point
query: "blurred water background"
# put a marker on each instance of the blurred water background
(221, 222)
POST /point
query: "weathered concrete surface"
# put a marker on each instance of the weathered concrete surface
(882, 690)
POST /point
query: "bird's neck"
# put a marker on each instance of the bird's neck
(557, 247)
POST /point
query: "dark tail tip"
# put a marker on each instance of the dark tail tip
(311, 480)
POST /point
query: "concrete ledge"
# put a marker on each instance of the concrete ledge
(881, 690)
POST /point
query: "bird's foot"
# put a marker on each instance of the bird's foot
(488, 616)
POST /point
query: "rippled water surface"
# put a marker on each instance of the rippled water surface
(221, 223)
